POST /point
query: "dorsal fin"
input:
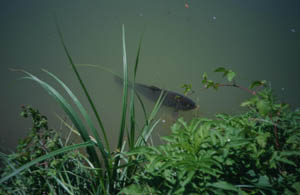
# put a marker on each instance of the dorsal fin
(154, 88)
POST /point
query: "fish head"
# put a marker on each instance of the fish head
(185, 103)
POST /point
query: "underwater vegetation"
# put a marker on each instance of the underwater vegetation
(255, 152)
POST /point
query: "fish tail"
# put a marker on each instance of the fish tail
(118, 79)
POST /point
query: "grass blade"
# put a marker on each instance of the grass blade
(148, 128)
(44, 157)
(143, 108)
(124, 106)
(87, 119)
(83, 87)
(125, 91)
(61, 183)
(70, 112)
(132, 108)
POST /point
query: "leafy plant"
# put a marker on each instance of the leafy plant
(114, 171)
(66, 173)
(230, 76)
(252, 153)
(187, 89)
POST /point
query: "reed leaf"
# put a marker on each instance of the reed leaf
(69, 111)
(148, 128)
(124, 106)
(125, 91)
(83, 87)
(87, 119)
(132, 107)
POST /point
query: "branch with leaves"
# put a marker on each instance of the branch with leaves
(230, 76)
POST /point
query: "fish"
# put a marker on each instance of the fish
(172, 99)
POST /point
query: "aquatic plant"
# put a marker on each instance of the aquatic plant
(113, 170)
(256, 152)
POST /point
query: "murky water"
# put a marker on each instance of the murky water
(257, 39)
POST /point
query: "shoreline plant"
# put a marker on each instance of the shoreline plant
(67, 173)
(256, 152)
(114, 171)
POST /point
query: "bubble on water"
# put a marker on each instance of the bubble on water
(282, 89)
(163, 121)
(293, 30)
(214, 17)
(141, 14)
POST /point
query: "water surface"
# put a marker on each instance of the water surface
(257, 39)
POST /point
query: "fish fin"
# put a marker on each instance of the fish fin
(152, 87)
(118, 79)
(175, 113)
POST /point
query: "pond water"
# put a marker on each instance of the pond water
(182, 40)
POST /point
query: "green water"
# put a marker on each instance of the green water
(257, 39)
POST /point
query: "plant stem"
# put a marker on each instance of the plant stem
(240, 87)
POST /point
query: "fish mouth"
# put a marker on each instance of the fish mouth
(195, 107)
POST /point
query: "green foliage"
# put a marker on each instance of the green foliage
(209, 83)
(252, 153)
(229, 74)
(187, 89)
(69, 168)
(257, 84)
(113, 169)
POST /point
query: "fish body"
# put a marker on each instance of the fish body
(172, 99)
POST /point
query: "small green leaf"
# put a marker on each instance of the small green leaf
(230, 75)
(263, 181)
(263, 107)
(187, 88)
(137, 189)
(216, 86)
(262, 139)
(220, 69)
(257, 84)
(246, 103)
(296, 186)
(204, 80)
(224, 186)
(287, 161)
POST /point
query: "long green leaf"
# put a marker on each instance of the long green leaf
(148, 128)
(125, 91)
(132, 107)
(157, 105)
(61, 183)
(69, 111)
(124, 105)
(83, 86)
(101, 67)
(87, 119)
(44, 157)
